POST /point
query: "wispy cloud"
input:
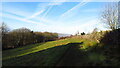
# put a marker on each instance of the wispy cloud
(47, 11)
(86, 27)
(22, 19)
(55, 3)
(51, 4)
(89, 25)
(44, 20)
(82, 3)
(58, 0)
(36, 14)
(70, 22)
(15, 11)
(90, 10)
(43, 8)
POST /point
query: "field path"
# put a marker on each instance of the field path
(73, 56)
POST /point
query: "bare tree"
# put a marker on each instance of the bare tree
(118, 15)
(109, 15)
(3, 34)
(3, 28)
(95, 30)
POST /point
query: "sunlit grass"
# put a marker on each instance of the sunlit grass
(30, 49)
(36, 47)
(87, 44)
(49, 54)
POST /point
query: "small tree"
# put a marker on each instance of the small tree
(109, 15)
(77, 33)
(3, 34)
(95, 30)
(82, 33)
(22, 36)
(4, 28)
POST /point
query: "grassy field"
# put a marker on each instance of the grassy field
(66, 52)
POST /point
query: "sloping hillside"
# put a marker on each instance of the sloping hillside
(66, 52)
(48, 53)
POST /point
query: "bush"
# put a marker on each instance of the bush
(111, 38)
(82, 33)
(111, 42)
(24, 36)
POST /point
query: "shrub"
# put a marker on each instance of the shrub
(111, 42)
(24, 36)
(82, 33)
(111, 38)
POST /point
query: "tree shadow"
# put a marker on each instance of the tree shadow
(73, 57)
(47, 57)
(63, 55)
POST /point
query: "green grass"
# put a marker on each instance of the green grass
(31, 49)
(73, 51)
(37, 47)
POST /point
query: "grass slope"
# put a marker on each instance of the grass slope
(67, 52)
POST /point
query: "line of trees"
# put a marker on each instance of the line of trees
(23, 36)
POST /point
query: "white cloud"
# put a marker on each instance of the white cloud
(89, 25)
(61, 29)
(42, 7)
(17, 14)
(44, 20)
(82, 3)
(90, 10)
(86, 27)
(45, 7)
(47, 11)
(55, 26)
(1, 17)
(22, 19)
(58, 1)
(55, 3)
(36, 14)
(16, 11)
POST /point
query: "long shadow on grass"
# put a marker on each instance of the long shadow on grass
(63, 55)
(49, 57)
(73, 57)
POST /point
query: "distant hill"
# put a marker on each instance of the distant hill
(63, 35)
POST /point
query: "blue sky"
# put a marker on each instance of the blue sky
(60, 17)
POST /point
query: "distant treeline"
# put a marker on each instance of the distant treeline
(24, 36)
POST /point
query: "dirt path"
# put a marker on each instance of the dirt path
(73, 56)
